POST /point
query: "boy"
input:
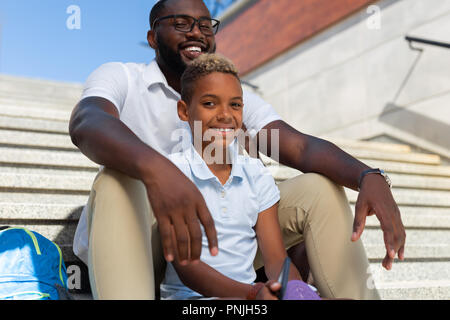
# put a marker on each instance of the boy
(239, 192)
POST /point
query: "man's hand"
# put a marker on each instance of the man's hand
(179, 208)
(375, 197)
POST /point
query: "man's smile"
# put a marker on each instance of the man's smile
(193, 50)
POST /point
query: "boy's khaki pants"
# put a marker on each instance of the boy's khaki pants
(125, 254)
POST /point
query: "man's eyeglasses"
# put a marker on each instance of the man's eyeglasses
(185, 23)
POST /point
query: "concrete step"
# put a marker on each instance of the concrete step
(407, 168)
(42, 198)
(419, 182)
(48, 170)
(413, 280)
(414, 237)
(411, 197)
(72, 184)
(33, 125)
(33, 140)
(403, 180)
(17, 110)
(418, 217)
(49, 158)
(364, 154)
(15, 85)
(424, 290)
(411, 157)
(419, 252)
(420, 244)
(40, 211)
(29, 101)
(369, 145)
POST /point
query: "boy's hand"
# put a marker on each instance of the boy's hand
(178, 207)
(269, 291)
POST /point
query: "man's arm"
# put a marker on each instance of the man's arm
(95, 128)
(310, 154)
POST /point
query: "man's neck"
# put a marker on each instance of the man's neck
(172, 77)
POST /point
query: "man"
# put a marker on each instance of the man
(125, 122)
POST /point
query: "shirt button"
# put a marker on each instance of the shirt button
(223, 194)
(224, 210)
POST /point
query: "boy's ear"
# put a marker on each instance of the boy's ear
(182, 109)
(151, 39)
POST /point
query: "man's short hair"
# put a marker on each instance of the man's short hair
(156, 11)
(201, 67)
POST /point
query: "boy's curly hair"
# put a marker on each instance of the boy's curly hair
(201, 67)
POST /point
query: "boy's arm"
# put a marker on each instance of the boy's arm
(270, 243)
(207, 281)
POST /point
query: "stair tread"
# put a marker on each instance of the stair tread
(42, 198)
(27, 124)
(10, 155)
(413, 197)
(46, 182)
(32, 139)
(34, 112)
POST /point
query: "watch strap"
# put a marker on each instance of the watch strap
(371, 171)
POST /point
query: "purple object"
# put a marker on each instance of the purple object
(298, 290)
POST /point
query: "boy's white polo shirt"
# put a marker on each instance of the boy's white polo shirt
(148, 106)
(235, 207)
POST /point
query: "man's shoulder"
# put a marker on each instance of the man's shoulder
(117, 66)
(251, 97)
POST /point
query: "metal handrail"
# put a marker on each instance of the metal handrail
(429, 42)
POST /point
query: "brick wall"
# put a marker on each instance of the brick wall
(270, 27)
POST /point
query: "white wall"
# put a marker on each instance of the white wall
(341, 82)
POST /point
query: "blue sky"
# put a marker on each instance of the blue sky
(36, 42)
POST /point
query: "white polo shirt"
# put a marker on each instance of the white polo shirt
(235, 207)
(148, 106)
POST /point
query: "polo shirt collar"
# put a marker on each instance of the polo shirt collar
(201, 171)
(153, 75)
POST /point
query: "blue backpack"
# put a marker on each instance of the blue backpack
(31, 266)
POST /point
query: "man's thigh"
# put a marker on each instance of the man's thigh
(124, 248)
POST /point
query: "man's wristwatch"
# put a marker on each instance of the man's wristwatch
(377, 171)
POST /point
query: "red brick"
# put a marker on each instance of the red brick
(271, 27)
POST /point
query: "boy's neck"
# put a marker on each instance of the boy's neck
(221, 168)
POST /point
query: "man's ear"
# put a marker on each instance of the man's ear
(182, 109)
(151, 39)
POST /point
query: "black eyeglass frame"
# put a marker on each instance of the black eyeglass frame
(196, 21)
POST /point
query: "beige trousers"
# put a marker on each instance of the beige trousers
(125, 254)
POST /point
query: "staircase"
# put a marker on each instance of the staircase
(45, 181)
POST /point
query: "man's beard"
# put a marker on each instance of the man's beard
(171, 58)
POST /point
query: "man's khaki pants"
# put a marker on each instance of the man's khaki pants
(125, 254)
